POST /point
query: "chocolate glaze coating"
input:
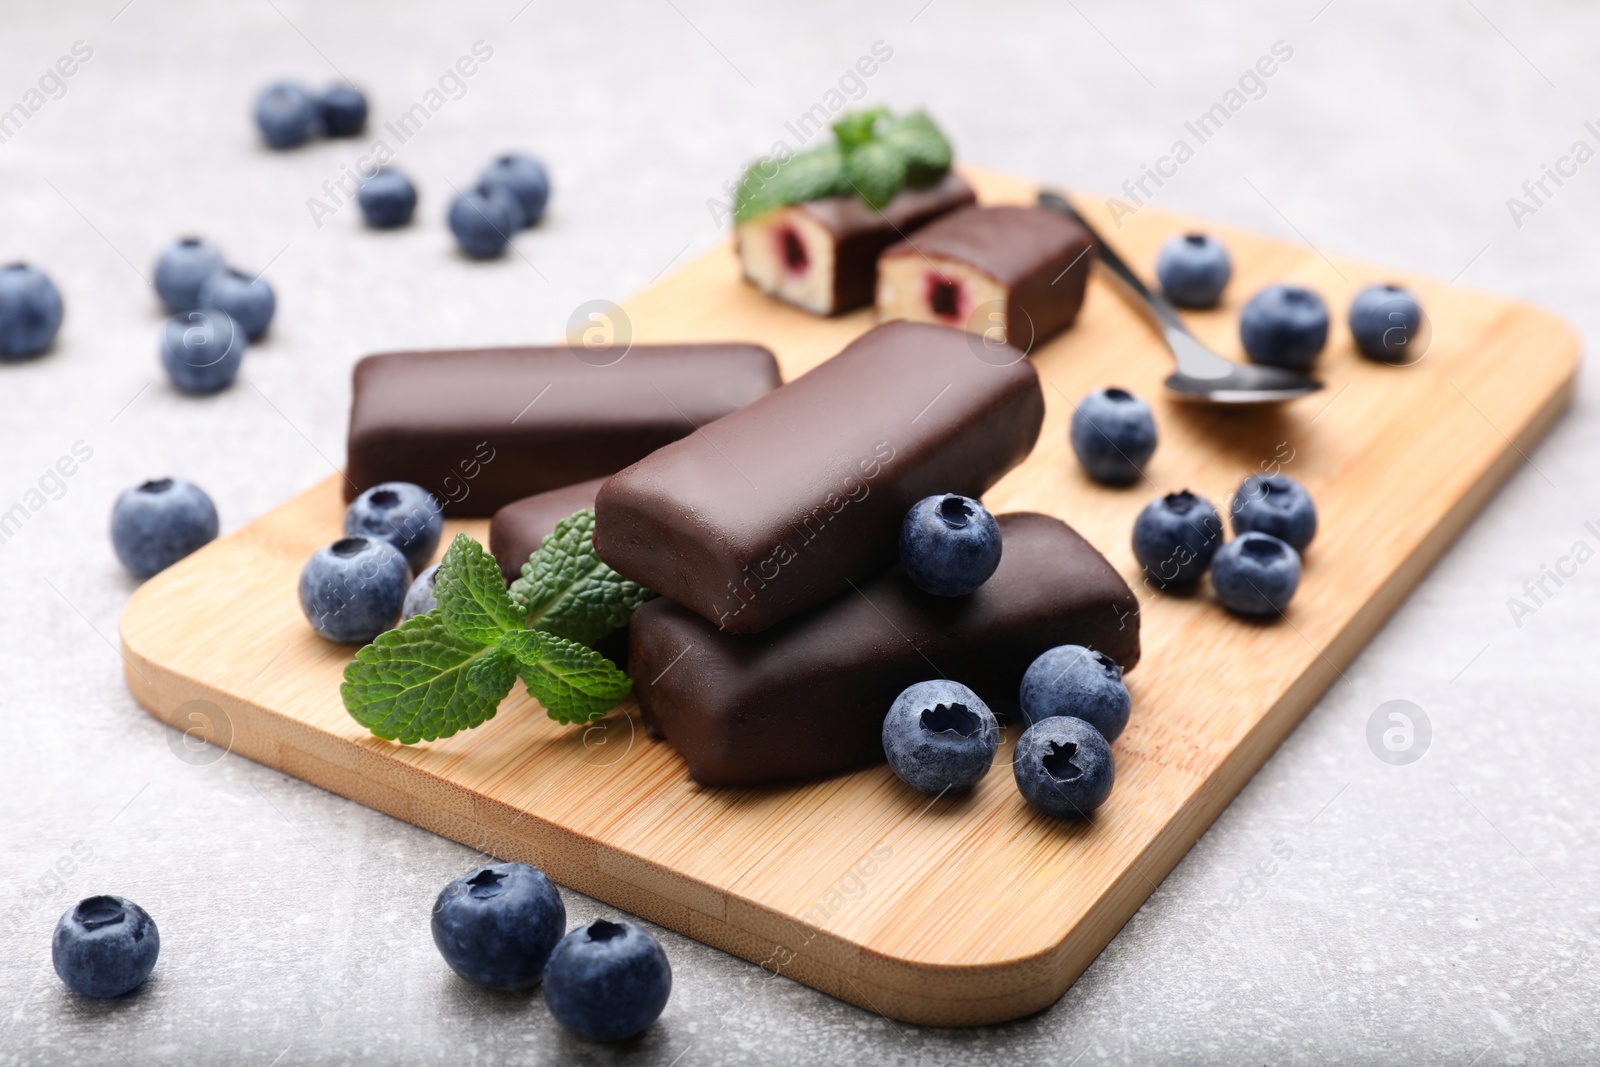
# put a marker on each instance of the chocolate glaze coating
(1025, 249)
(522, 525)
(480, 428)
(784, 503)
(809, 697)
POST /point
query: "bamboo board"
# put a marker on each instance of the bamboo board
(846, 884)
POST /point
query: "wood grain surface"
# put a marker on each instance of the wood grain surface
(963, 910)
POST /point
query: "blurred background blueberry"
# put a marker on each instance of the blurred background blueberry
(1284, 326)
(183, 266)
(482, 225)
(526, 179)
(1113, 434)
(202, 350)
(287, 115)
(1194, 270)
(1387, 324)
(343, 111)
(387, 199)
(249, 301)
(30, 311)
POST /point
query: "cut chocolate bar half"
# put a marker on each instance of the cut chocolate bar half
(808, 697)
(1013, 274)
(821, 255)
(482, 427)
(782, 504)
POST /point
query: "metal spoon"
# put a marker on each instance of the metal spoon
(1202, 374)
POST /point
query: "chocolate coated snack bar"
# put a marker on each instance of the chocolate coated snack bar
(784, 503)
(522, 525)
(1020, 268)
(822, 255)
(480, 428)
(808, 697)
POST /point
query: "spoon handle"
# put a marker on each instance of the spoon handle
(1157, 304)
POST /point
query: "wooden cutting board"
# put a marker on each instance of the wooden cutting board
(968, 909)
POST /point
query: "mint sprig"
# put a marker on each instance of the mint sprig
(874, 155)
(448, 669)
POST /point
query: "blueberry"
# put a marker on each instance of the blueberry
(1193, 270)
(1385, 320)
(183, 266)
(352, 590)
(1278, 505)
(1284, 326)
(30, 311)
(483, 225)
(1255, 574)
(1175, 537)
(507, 200)
(525, 177)
(387, 199)
(405, 515)
(288, 115)
(202, 350)
(949, 544)
(1063, 766)
(607, 980)
(1113, 434)
(343, 110)
(156, 524)
(248, 300)
(496, 925)
(1080, 682)
(419, 598)
(105, 947)
(940, 737)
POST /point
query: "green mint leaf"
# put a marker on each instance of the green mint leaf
(877, 171)
(575, 684)
(473, 602)
(855, 128)
(422, 682)
(565, 589)
(927, 150)
(771, 183)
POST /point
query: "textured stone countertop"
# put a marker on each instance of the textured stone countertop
(1341, 910)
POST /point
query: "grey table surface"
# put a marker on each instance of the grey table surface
(1342, 910)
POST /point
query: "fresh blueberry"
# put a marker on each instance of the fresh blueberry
(1080, 682)
(1175, 537)
(1255, 574)
(288, 115)
(1278, 505)
(507, 200)
(525, 177)
(419, 598)
(156, 524)
(343, 110)
(949, 544)
(1385, 320)
(607, 980)
(405, 515)
(202, 350)
(352, 590)
(30, 311)
(1284, 326)
(1114, 435)
(1063, 766)
(183, 266)
(387, 199)
(940, 737)
(248, 300)
(1193, 270)
(483, 225)
(496, 925)
(105, 947)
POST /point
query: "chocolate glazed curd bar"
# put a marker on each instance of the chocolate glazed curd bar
(808, 697)
(480, 428)
(1022, 268)
(784, 503)
(822, 255)
(522, 525)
